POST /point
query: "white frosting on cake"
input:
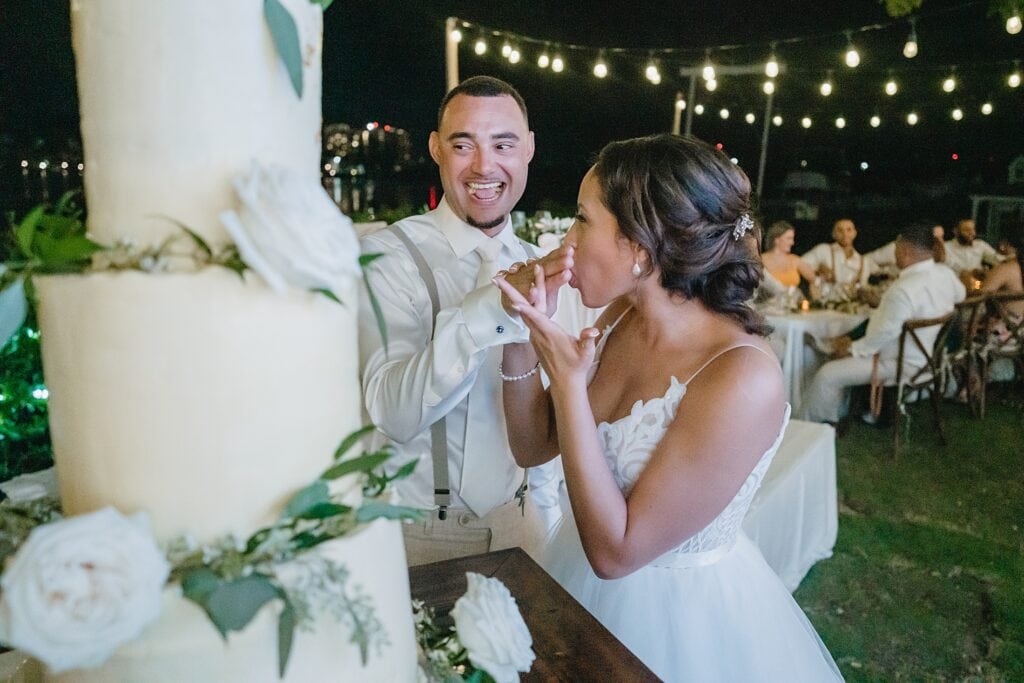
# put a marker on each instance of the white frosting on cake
(200, 398)
(176, 97)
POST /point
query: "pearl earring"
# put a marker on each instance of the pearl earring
(636, 268)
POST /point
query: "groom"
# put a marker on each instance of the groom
(435, 388)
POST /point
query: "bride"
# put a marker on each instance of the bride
(666, 419)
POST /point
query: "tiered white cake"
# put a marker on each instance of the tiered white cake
(203, 399)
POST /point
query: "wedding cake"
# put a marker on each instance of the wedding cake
(203, 398)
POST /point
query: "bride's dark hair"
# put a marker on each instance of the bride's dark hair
(680, 200)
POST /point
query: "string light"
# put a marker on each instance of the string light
(455, 35)
(680, 103)
(506, 49)
(913, 118)
(1013, 24)
(986, 108)
(949, 85)
(891, 87)
(768, 87)
(750, 118)
(514, 56)
(480, 46)
(651, 72)
(723, 112)
(777, 120)
(958, 114)
(852, 56)
(910, 47)
(876, 121)
(1013, 80)
(826, 86)
(840, 122)
(600, 68)
(699, 109)
(708, 73)
(771, 67)
(806, 122)
(557, 64)
(711, 84)
(544, 60)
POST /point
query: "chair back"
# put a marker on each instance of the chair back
(1005, 324)
(929, 374)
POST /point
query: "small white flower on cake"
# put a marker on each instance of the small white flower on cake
(290, 232)
(78, 589)
(492, 630)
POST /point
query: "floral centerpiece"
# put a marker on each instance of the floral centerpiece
(544, 231)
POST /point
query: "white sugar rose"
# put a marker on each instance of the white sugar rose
(78, 589)
(290, 232)
(549, 241)
(492, 630)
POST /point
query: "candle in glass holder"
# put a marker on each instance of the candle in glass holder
(805, 305)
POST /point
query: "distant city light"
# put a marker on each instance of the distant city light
(719, 146)
(40, 393)
(863, 165)
(734, 160)
(955, 156)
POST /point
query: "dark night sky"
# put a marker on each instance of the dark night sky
(383, 61)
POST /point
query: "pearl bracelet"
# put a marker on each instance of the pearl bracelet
(516, 378)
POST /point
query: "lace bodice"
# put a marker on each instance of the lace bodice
(629, 441)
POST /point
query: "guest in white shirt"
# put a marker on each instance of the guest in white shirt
(435, 387)
(884, 257)
(924, 289)
(837, 262)
(965, 253)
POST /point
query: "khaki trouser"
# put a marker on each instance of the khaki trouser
(463, 533)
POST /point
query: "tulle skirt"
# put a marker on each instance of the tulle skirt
(730, 620)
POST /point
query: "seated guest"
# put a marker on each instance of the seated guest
(966, 254)
(778, 259)
(884, 257)
(924, 289)
(1007, 276)
(838, 262)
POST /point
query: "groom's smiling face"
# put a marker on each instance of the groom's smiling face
(483, 150)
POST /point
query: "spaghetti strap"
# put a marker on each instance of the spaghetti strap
(607, 331)
(715, 357)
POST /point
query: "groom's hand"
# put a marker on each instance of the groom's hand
(554, 269)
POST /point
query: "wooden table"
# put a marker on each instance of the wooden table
(571, 645)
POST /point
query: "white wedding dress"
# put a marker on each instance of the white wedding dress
(711, 609)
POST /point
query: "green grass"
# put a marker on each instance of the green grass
(927, 579)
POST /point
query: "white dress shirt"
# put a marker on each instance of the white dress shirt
(416, 381)
(960, 257)
(847, 270)
(925, 289)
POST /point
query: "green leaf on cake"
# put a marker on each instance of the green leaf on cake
(195, 236)
(351, 440)
(324, 511)
(25, 231)
(378, 313)
(286, 38)
(232, 604)
(324, 4)
(373, 509)
(329, 294)
(285, 636)
(363, 463)
(309, 497)
(57, 254)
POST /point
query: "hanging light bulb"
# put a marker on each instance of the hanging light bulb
(771, 67)
(600, 68)
(958, 114)
(514, 56)
(708, 73)
(723, 112)
(910, 47)
(912, 118)
(699, 109)
(875, 121)
(750, 118)
(544, 60)
(768, 87)
(711, 84)
(455, 36)
(826, 85)
(840, 122)
(949, 85)
(480, 46)
(891, 87)
(852, 56)
(506, 49)
(651, 72)
(680, 102)
(557, 64)
(1013, 24)
(806, 122)
(1013, 80)
(986, 108)
(777, 120)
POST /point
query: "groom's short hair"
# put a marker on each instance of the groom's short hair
(483, 86)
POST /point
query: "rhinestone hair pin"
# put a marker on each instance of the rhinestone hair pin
(743, 225)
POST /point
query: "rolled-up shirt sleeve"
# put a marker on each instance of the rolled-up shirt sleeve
(885, 324)
(416, 380)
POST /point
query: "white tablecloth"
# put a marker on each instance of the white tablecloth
(794, 518)
(792, 339)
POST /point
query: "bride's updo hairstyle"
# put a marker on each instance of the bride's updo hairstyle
(682, 201)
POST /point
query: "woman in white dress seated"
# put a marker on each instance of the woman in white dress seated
(666, 420)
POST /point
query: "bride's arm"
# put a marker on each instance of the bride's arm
(528, 415)
(698, 467)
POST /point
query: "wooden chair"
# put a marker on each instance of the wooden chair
(1003, 338)
(966, 338)
(930, 376)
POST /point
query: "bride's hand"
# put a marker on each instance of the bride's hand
(563, 356)
(556, 266)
